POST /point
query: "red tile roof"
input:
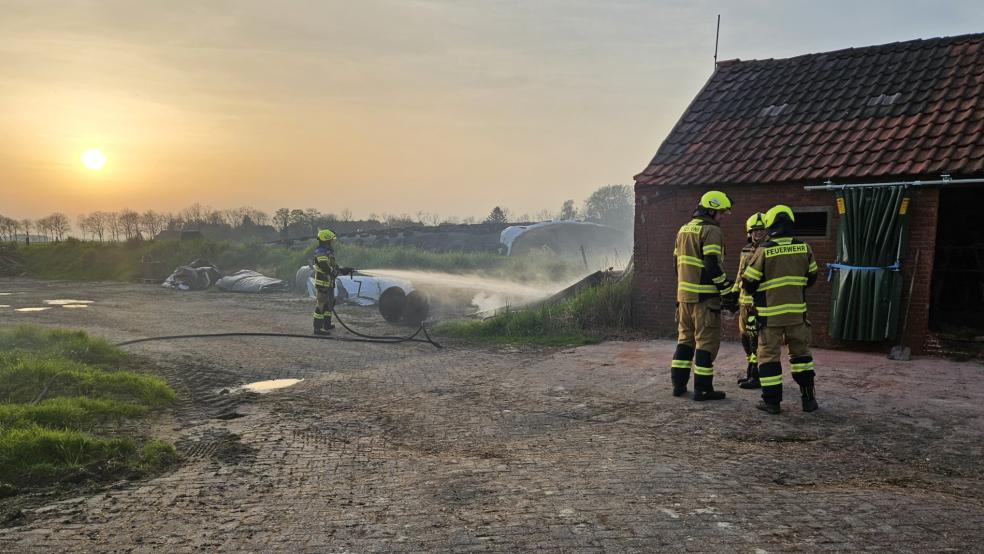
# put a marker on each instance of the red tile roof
(903, 109)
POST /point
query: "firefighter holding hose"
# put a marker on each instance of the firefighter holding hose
(326, 270)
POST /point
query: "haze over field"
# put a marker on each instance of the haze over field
(377, 106)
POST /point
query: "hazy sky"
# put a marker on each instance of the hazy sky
(378, 105)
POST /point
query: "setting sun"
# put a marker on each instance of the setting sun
(93, 159)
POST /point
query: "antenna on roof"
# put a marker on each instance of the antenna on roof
(717, 35)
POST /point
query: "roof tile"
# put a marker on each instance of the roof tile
(899, 109)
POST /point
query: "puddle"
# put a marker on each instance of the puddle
(4, 305)
(75, 306)
(7, 293)
(32, 309)
(66, 302)
(273, 384)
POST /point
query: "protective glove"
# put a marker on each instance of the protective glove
(729, 301)
(346, 270)
(751, 324)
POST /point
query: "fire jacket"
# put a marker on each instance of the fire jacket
(777, 275)
(699, 258)
(744, 298)
(325, 268)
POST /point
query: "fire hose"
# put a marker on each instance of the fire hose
(359, 337)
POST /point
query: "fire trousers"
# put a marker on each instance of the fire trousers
(770, 341)
(325, 301)
(698, 341)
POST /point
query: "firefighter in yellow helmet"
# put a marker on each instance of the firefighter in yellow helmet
(747, 326)
(701, 284)
(325, 272)
(777, 276)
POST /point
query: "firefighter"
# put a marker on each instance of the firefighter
(701, 285)
(777, 276)
(747, 327)
(325, 272)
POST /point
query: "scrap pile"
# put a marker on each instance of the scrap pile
(201, 274)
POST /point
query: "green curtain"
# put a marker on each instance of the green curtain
(866, 277)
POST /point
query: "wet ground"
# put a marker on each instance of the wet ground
(409, 448)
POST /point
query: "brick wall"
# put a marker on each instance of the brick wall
(661, 210)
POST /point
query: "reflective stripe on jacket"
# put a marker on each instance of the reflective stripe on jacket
(325, 268)
(777, 275)
(699, 257)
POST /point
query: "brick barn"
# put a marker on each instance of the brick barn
(879, 116)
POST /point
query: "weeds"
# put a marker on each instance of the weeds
(56, 389)
(103, 261)
(586, 318)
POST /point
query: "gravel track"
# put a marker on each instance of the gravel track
(407, 448)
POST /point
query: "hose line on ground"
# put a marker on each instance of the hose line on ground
(360, 337)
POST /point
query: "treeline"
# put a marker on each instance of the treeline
(54, 227)
(611, 205)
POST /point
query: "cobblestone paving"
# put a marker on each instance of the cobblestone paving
(407, 448)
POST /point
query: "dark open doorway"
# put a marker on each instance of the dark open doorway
(957, 307)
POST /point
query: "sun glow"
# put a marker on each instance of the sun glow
(93, 159)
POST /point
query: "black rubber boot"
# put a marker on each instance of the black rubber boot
(805, 380)
(704, 389)
(753, 378)
(322, 328)
(680, 378)
(683, 355)
(769, 407)
(701, 395)
(328, 326)
(809, 399)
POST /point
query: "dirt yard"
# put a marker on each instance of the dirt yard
(410, 448)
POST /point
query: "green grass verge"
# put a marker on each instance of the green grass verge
(101, 261)
(57, 390)
(104, 261)
(586, 318)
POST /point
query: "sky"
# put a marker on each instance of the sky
(379, 106)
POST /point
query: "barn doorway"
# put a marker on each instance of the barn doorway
(957, 305)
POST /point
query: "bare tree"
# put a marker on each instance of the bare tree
(130, 223)
(345, 215)
(258, 217)
(42, 225)
(312, 218)
(98, 222)
(8, 228)
(214, 217)
(26, 225)
(194, 214)
(543, 215)
(59, 225)
(114, 225)
(151, 223)
(82, 222)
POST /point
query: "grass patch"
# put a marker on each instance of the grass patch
(103, 261)
(586, 318)
(543, 267)
(57, 389)
(71, 345)
(36, 454)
